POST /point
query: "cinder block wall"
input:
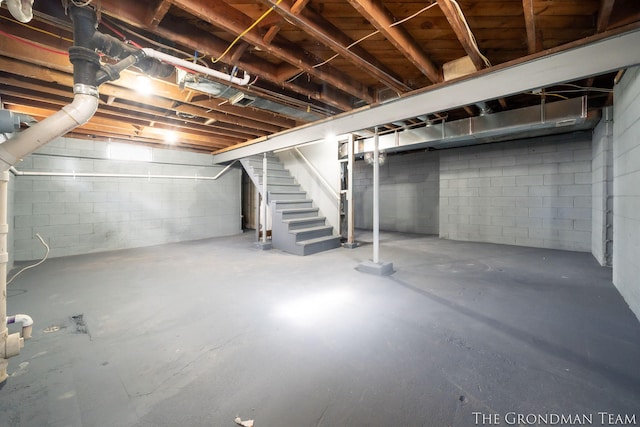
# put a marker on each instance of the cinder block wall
(602, 188)
(81, 215)
(408, 193)
(626, 189)
(534, 192)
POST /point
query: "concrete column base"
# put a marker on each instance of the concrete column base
(265, 246)
(377, 268)
(352, 245)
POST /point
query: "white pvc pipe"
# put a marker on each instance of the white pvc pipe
(118, 175)
(22, 10)
(195, 67)
(264, 198)
(26, 321)
(77, 113)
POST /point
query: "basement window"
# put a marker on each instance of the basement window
(138, 153)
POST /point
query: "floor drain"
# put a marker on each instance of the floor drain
(81, 326)
(51, 329)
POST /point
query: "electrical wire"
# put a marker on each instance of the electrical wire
(33, 265)
(251, 27)
(112, 26)
(470, 33)
(32, 44)
(31, 27)
(370, 35)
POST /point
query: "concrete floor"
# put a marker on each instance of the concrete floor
(198, 333)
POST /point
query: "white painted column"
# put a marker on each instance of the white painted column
(376, 199)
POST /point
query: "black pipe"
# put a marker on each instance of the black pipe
(87, 40)
(86, 62)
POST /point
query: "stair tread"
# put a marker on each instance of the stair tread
(302, 220)
(308, 229)
(316, 240)
(298, 210)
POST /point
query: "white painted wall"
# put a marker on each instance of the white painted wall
(602, 188)
(534, 192)
(93, 214)
(408, 193)
(626, 189)
(324, 158)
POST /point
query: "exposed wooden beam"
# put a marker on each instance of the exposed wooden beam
(457, 22)
(211, 45)
(380, 17)
(604, 14)
(534, 35)
(271, 34)
(298, 6)
(324, 31)
(158, 13)
(573, 61)
(125, 88)
(222, 15)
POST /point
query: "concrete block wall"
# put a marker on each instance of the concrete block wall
(626, 188)
(92, 214)
(408, 193)
(534, 192)
(602, 189)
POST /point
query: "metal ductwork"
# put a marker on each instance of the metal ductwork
(544, 119)
(241, 99)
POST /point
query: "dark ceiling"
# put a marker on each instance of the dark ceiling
(306, 60)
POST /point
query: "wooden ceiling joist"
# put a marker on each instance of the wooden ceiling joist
(380, 17)
(325, 32)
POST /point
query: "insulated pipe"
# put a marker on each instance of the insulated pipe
(25, 320)
(150, 53)
(22, 10)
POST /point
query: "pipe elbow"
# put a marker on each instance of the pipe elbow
(26, 321)
(22, 10)
(83, 107)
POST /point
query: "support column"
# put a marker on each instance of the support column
(374, 266)
(351, 242)
(264, 244)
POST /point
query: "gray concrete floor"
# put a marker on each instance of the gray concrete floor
(195, 334)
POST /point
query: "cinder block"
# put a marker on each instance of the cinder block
(515, 170)
(21, 221)
(543, 212)
(543, 169)
(506, 181)
(515, 231)
(490, 191)
(529, 180)
(31, 196)
(563, 156)
(583, 178)
(544, 190)
(503, 201)
(529, 202)
(515, 212)
(523, 221)
(559, 179)
(574, 190)
(574, 213)
(504, 221)
(504, 160)
(582, 166)
(560, 224)
(479, 220)
(48, 208)
(63, 219)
